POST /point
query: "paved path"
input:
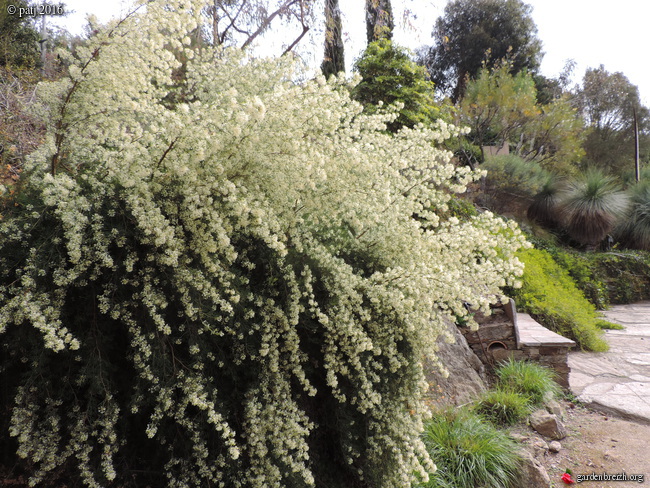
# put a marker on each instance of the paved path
(618, 381)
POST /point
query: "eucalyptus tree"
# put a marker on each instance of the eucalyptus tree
(379, 20)
(334, 57)
(609, 102)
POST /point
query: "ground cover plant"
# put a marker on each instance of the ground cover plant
(551, 296)
(212, 274)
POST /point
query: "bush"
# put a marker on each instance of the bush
(529, 379)
(634, 230)
(212, 275)
(590, 206)
(503, 406)
(511, 174)
(616, 277)
(469, 452)
(550, 295)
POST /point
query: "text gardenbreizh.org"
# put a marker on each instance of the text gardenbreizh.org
(640, 478)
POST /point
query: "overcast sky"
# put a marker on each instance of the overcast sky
(592, 32)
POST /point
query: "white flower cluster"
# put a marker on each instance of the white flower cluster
(265, 253)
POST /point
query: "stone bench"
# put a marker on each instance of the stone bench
(543, 346)
(509, 334)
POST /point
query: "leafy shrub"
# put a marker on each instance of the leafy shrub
(550, 295)
(213, 276)
(511, 174)
(390, 76)
(503, 406)
(616, 277)
(529, 379)
(469, 452)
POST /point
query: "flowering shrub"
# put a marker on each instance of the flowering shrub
(213, 275)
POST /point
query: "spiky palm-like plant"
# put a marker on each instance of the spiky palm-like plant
(590, 207)
(634, 231)
(543, 210)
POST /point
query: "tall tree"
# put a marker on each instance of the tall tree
(608, 101)
(334, 59)
(379, 20)
(472, 33)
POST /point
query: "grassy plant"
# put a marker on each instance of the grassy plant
(590, 207)
(634, 231)
(502, 406)
(532, 380)
(469, 452)
(543, 210)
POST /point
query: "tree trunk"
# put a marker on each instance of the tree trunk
(379, 20)
(334, 59)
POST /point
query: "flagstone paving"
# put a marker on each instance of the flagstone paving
(617, 381)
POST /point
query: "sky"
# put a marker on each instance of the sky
(591, 32)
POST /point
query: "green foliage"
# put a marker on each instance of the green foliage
(469, 452)
(388, 75)
(590, 207)
(502, 108)
(634, 230)
(18, 38)
(534, 381)
(512, 175)
(605, 278)
(503, 406)
(497, 104)
(607, 101)
(549, 293)
(543, 209)
(229, 289)
(475, 33)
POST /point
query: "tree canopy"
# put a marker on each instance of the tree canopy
(608, 102)
(18, 38)
(389, 75)
(475, 33)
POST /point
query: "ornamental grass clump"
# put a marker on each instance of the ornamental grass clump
(469, 452)
(212, 276)
(532, 380)
(590, 207)
(503, 406)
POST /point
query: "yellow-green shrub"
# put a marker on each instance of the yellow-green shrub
(549, 293)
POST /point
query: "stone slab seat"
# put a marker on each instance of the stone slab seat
(543, 346)
(530, 333)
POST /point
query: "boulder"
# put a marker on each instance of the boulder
(554, 407)
(466, 378)
(547, 424)
(532, 473)
(554, 446)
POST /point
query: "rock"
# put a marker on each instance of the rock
(554, 407)
(540, 447)
(518, 437)
(466, 372)
(554, 446)
(547, 424)
(533, 473)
